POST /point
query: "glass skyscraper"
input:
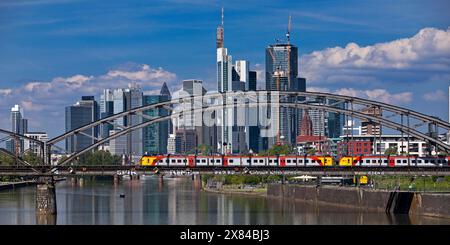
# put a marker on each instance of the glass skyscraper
(83, 112)
(282, 75)
(155, 136)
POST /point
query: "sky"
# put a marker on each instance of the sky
(54, 51)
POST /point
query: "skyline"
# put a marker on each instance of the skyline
(408, 67)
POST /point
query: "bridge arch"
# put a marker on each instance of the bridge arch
(357, 114)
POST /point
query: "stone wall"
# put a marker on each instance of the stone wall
(431, 204)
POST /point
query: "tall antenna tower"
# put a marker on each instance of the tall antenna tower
(288, 34)
(222, 16)
(219, 36)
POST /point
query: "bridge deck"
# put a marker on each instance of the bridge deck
(316, 170)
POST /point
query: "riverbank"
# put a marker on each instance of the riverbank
(14, 185)
(234, 190)
(400, 202)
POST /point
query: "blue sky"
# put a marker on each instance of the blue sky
(46, 42)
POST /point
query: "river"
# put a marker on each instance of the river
(178, 201)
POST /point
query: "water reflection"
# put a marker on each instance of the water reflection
(178, 201)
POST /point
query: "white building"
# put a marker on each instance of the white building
(33, 146)
(171, 149)
(350, 128)
(381, 143)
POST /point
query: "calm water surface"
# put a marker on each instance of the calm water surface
(177, 201)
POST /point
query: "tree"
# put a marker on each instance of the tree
(32, 158)
(99, 158)
(6, 160)
(278, 150)
(311, 151)
(390, 151)
(205, 150)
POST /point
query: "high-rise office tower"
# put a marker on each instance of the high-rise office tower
(224, 84)
(155, 135)
(335, 120)
(281, 75)
(83, 112)
(106, 110)
(193, 120)
(245, 80)
(369, 127)
(130, 144)
(19, 125)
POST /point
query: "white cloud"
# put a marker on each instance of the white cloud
(437, 95)
(428, 50)
(381, 95)
(43, 100)
(145, 74)
(5, 92)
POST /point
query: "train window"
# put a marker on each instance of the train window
(413, 161)
(300, 161)
(405, 161)
(184, 160)
(275, 161)
(261, 161)
(179, 160)
(398, 161)
(288, 161)
(230, 161)
(294, 161)
(270, 161)
(173, 161)
(426, 161)
(248, 160)
(198, 160)
(385, 161)
(203, 160)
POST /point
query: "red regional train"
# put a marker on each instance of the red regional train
(294, 161)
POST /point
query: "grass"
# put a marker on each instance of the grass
(415, 183)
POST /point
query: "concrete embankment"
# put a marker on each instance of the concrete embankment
(414, 203)
(13, 185)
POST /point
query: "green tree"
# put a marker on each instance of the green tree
(204, 150)
(278, 150)
(6, 160)
(32, 158)
(99, 158)
(390, 151)
(311, 151)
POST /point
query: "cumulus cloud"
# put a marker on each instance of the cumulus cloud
(428, 50)
(381, 95)
(45, 99)
(437, 95)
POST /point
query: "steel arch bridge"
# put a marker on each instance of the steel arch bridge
(409, 122)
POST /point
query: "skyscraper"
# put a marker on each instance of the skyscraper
(224, 84)
(19, 125)
(281, 75)
(106, 110)
(130, 144)
(155, 135)
(83, 112)
(369, 127)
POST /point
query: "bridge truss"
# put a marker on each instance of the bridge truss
(407, 122)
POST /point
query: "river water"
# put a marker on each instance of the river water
(177, 201)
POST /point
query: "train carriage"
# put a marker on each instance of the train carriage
(292, 161)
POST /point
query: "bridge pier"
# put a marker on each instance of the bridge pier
(116, 179)
(45, 196)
